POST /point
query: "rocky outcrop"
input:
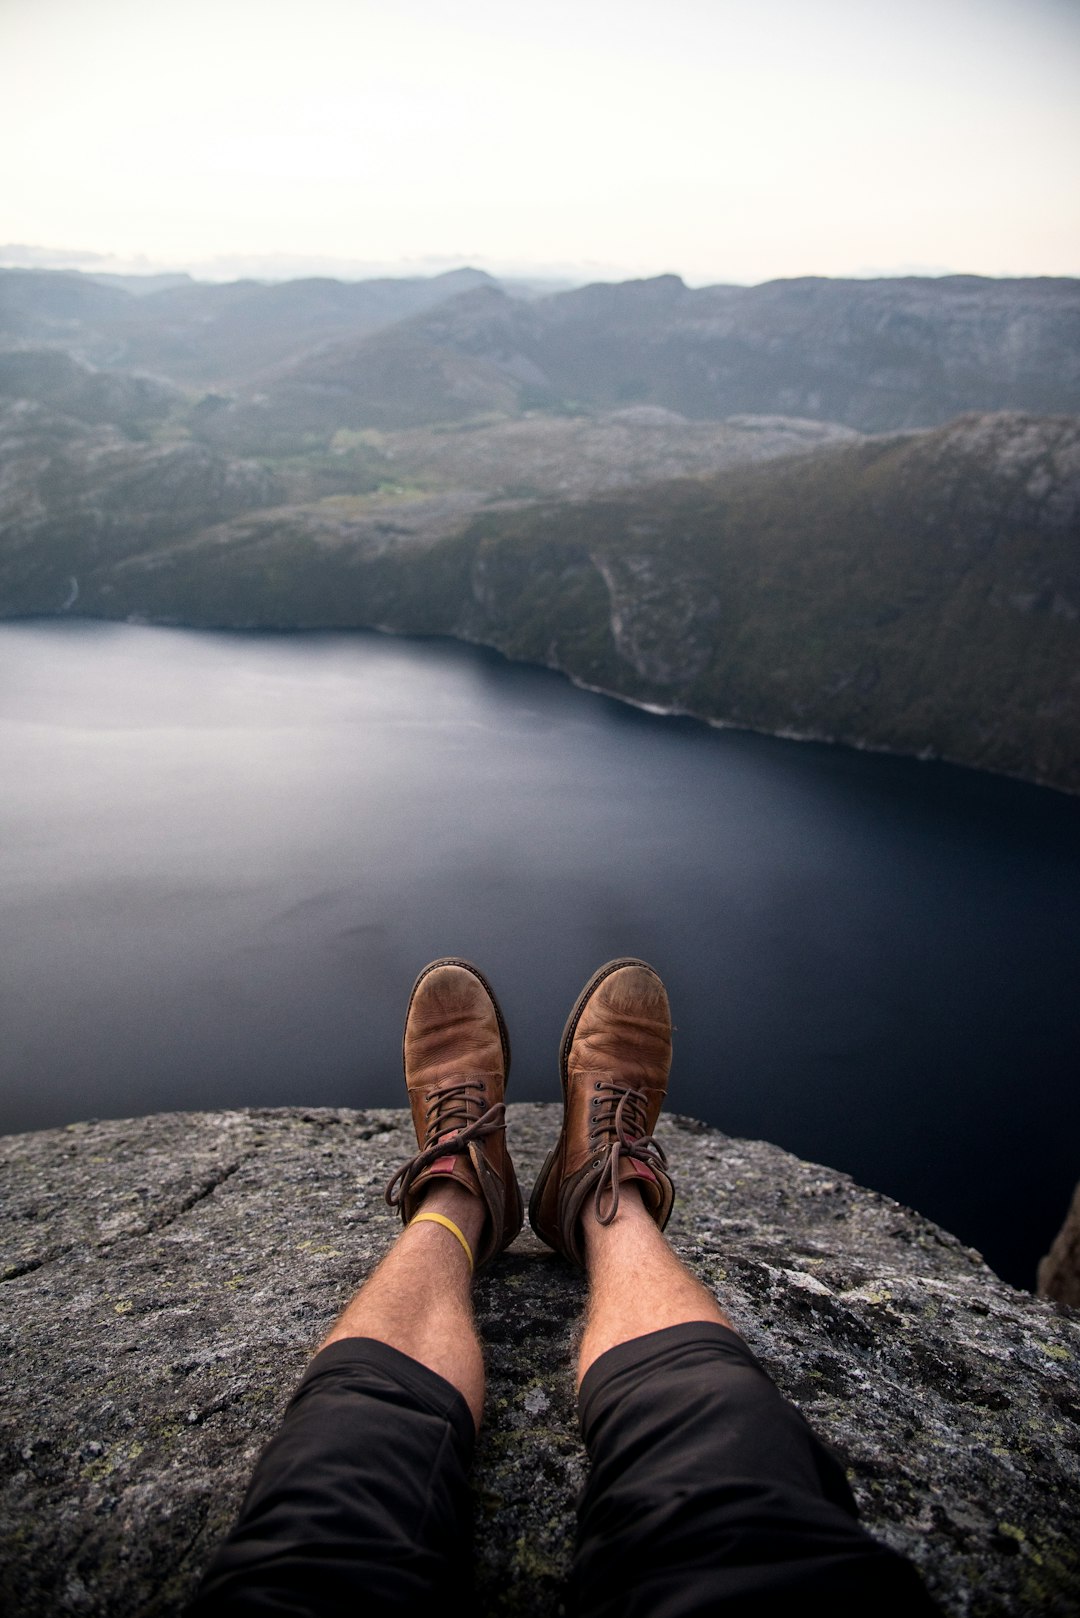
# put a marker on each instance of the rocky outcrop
(167, 1277)
(1059, 1271)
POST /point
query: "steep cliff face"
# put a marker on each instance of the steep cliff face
(166, 1278)
(918, 592)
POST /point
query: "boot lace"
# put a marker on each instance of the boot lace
(451, 1125)
(619, 1111)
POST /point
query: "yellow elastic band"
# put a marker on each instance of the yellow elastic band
(441, 1219)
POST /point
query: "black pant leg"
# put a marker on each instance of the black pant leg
(359, 1503)
(709, 1493)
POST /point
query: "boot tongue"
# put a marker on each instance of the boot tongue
(631, 1167)
(446, 1165)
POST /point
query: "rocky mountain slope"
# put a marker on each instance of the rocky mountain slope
(51, 377)
(166, 1279)
(918, 592)
(874, 355)
(574, 456)
(79, 495)
(75, 497)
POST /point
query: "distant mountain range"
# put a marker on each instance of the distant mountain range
(753, 504)
(320, 354)
(206, 333)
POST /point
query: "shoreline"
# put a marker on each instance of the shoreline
(658, 710)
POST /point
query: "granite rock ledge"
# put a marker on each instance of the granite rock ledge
(165, 1279)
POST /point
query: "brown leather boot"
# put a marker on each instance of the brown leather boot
(456, 1053)
(614, 1062)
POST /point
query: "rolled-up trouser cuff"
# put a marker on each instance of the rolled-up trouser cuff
(709, 1493)
(360, 1502)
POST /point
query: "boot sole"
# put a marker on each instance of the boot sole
(565, 1043)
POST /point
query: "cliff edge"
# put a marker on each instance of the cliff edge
(166, 1278)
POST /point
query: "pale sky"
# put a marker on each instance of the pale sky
(720, 139)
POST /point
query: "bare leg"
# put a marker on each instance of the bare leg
(636, 1284)
(360, 1500)
(707, 1491)
(419, 1300)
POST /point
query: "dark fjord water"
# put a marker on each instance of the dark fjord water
(223, 859)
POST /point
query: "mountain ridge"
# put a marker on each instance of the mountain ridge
(872, 356)
(875, 355)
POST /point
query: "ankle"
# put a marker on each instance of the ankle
(462, 1207)
(631, 1213)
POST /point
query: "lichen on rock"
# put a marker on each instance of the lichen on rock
(167, 1278)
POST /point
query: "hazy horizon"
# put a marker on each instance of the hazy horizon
(272, 268)
(720, 142)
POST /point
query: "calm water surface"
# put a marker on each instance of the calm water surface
(223, 859)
